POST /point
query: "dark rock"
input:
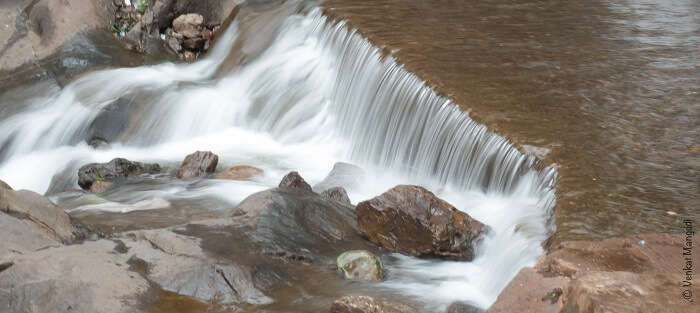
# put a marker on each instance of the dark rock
(360, 265)
(110, 122)
(4, 185)
(189, 25)
(463, 307)
(195, 44)
(240, 172)
(413, 221)
(174, 44)
(40, 213)
(337, 194)
(363, 304)
(294, 181)
(115, 169)
(284, 219)
(198, 164)
(344, 175)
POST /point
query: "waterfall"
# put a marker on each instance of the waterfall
(319, 93)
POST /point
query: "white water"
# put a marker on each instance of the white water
(320, 93)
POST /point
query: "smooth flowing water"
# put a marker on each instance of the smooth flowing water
(318, 93)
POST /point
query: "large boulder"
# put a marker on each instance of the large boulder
(19, 238)
(113, 170)
(364, 304)
(240, 172)
(342, 175)
(631, 274)
(39, 213)
(360, 265)
(198, 164)
(84, 278)
(412, 220)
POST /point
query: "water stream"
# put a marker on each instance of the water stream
(319, 93)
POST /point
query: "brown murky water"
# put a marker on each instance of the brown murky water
(611, 88)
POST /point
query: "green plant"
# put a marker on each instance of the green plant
(142, 6)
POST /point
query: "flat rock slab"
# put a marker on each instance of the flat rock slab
(45, 216)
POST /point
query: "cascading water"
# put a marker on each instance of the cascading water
(319, 93)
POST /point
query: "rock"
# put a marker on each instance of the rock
(38, 212)
(214, 12)
(100, 186)
(612, 275)
(189, 25)
(342, 175)
(174, 44)
(240, 172)
(178, 264)
(337, 194)
(113, 170)
(135, 34)
(294, 181)
(195, 44)
(19, 238)
(84, 278)
(198, 164)
(463, 307)
(4, 185)
(110, 122)
(189, 56)
(287, 220)
(360, 265)
(413, 221)
(363, 304)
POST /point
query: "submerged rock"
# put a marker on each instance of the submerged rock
(364, 304)
(115, 169)
(40, 213)
(294, 181)
(342, 175)
(413, 221)
(463, 307)
(337, 194)
(240, 172)
(360, 265)
(198, 164)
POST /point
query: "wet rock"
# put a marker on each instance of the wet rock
(194, 43)
(240, 172)
(4, 185)
(178, 264)
(363, 304)
(115, 169)
(413, 221)
(463, 307)
(612, 275)
(198, 164)
(337, 194)
(342, 175)
(38, 212)
(110, 122)
(285, 219)
(294, 181)
(84, 278)
(360, 265)
(189, 25)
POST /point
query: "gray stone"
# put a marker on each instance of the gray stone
(118, 168)
(19, 238)
(38, 212)
(337, 194)
(360, 265)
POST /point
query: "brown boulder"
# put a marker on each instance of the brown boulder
(189, 25)
(196, 43)
(631, 274)
(240, 172)
(412, 220)
(198, 164)
(364, 304)
(294, 181)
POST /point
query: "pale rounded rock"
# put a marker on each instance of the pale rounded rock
(360, 265)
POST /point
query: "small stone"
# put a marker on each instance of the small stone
(295, 181)
(198, 163)
(360, 265)
(337, 194)
(189, 56)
